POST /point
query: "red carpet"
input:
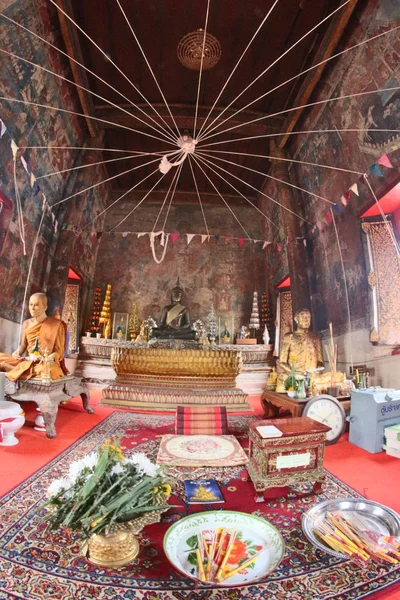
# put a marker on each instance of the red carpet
(374, 476)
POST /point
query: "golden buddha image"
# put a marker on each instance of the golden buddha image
(203, 494)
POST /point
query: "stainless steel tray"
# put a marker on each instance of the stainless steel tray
(381, 518)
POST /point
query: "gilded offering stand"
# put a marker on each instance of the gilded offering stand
(118, 545)
(46, 361)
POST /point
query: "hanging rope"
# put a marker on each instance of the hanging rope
(322, 62)
(291, 160)
(172, 196)
(20, 217)
(237, 64)
(222, 198)
(150, 69)
(83, 67)
(165, 239)
(121, 108)
(278, 134)
(104, 181)
(277, 60)
(198, 196)
(345, 287)
(269, 177)
(209, 163)
(201, 69)
(301, 107)
(165, 199)
(107, 57)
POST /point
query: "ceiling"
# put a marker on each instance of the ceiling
(159, 26)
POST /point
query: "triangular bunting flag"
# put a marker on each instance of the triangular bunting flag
(328, 218)
(241, 242)
(56, 226)
(279, 246)
(174, 237)
(228, 237)
(361, 179)
(384, 160)
(99, 234)
(324, 220)
(141, 234)
(343, 200)
(216, 239)
(304, 242)
(124, 234)
(32, 180)
(348, 195)
(36, 190)
(375, 170)
(320, 225)
(204, 238)
(394, 147)
(190, 236)
(265, 244)
(336, 207)
(24, 164)
(3, 128)
(14, 148)
(354, 188)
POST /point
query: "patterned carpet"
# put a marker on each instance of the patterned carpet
(35, 565)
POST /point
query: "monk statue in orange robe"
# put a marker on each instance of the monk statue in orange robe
(47, 333)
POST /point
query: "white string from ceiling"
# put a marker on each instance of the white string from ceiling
(199, 196)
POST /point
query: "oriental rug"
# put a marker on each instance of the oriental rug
(36, 565)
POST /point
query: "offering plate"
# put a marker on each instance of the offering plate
(381, 519)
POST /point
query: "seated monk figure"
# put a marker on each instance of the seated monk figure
(175, 319)
(306, 348)
(50, 334)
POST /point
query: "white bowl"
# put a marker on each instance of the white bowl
(252, 532)
(12, 418)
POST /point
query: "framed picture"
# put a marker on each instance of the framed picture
(120, 326)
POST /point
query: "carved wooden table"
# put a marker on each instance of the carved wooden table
(296, 457)
(272, 402)
(48, 396)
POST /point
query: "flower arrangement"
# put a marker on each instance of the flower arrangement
(104, 490)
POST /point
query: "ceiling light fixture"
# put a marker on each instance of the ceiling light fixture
(190, 50)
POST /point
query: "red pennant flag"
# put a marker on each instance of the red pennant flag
(228, 237)
(348, 195)
(174, 237)
(241, 242)
(384, 160)
(328, 217)
(279, 246)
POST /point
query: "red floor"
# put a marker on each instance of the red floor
(375, 476)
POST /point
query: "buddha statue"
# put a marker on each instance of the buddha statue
(44, 340)
(304, 348)
(175, 319)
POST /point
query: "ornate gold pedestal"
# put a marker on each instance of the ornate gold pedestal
(164, 378)
(113, 550)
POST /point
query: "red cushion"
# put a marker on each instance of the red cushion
(206, 420)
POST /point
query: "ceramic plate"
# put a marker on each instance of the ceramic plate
(379, 517)
(253, 533)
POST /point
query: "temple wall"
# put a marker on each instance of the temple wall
(212, 271)
(372, 66)
(58, 247)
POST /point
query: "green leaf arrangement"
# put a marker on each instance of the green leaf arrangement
(105, 489)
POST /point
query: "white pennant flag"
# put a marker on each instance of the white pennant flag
(3, 128)
(190, 236)
(33, 179)
(125, 233)
(14, 148)
(204, 238)
(265, 244)
(44, 204)
(24, 164)
(141, 234)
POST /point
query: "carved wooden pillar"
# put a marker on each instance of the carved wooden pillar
(292, 228)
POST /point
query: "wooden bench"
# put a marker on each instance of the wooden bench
(48, 396)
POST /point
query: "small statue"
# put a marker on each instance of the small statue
(307, 348)
(244, 332)
(142, 337)
(175, 319)
(225, 335)
(272, 380)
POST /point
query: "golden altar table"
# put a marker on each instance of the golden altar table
(163, 378)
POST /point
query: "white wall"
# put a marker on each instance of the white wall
(8, 336)
(383, 368)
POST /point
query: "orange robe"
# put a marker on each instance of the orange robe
(52, 335)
